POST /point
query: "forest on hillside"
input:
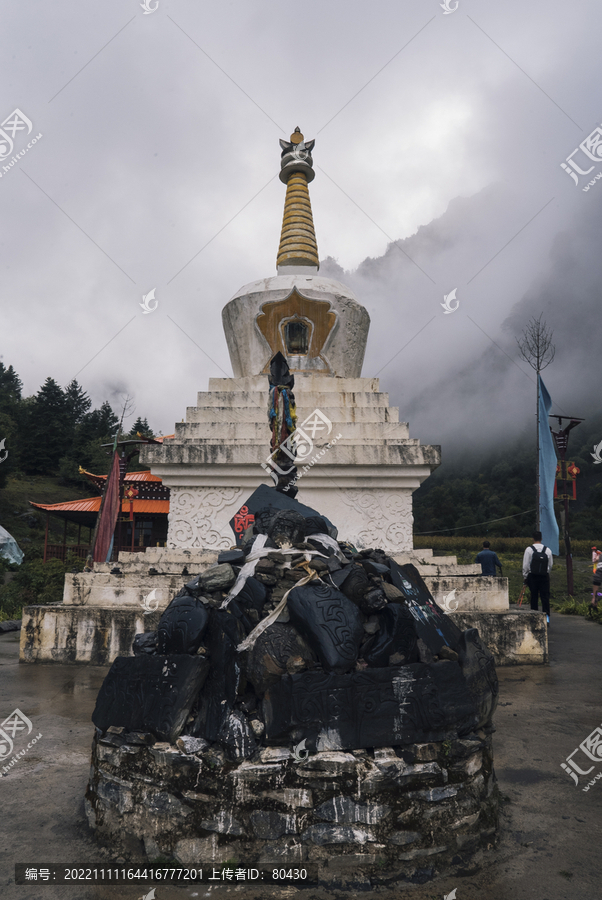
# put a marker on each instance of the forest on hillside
(467, 494)
(479, 492)
(56, 431)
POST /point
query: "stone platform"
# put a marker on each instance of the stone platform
(356, 813)
(102, 612)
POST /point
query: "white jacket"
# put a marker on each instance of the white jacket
(529, 553)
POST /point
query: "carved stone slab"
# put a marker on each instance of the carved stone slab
(331, 624)
(263, 497)
(150, 693)
(432, 625)
(478, 667)
(182, 626)
(384, 707)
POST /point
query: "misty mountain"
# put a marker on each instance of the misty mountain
(460, 382)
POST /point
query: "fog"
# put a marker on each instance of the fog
(157, 168)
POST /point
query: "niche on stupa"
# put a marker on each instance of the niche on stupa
(299, 328)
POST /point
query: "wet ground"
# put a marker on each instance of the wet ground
(550, 839)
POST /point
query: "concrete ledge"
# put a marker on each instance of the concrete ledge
(473, 593)
(515, 638)
(80, 634)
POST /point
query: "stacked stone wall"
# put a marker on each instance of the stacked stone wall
(371, 812)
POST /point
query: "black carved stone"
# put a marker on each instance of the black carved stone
(265, 496)
(478, 668)
(432, 625)
(316, 525)
(278, 646)
(234, 557)
(373, 601)
(236, 736)
(182, 626)
(374, 568)
(353, 582)
(150, 694)
(145, 643)
(330, 623)
(372, 708)
(219, 695)
(253, 595)
(287, 527)
(280, 374)
(396, 635)
(238, 612)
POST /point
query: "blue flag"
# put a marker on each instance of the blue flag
(547, 473)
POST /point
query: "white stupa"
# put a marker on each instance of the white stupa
(363, 482)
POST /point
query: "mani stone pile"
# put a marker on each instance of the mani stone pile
(300, 700)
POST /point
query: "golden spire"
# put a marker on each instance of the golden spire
(298, 246)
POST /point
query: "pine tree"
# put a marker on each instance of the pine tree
(48, 434)
(78, 402)
(140, 426)
(10, 389)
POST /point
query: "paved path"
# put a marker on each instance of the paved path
(550, 844)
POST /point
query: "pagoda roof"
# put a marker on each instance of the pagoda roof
(85, 511)
(99, 480)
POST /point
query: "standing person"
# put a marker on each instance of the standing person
(488, 560)
(537, 563)
(597, 561)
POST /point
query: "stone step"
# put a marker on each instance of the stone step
(472, 593)
(345, 453)
(132, 589)
(448, 569)
(253, 413)
(303, 382)
(306, 399)
(351, 432)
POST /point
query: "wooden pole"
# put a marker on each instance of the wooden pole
(537, 513)
(46, 537)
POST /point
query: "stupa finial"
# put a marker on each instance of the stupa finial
(298, 246)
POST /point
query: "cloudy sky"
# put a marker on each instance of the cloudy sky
(157, 169)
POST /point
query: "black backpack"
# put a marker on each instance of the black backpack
(539, 562)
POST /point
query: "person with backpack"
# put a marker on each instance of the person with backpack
(537, 562)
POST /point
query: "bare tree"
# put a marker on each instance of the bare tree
(127, 411)
(537, 349)
(536, 346)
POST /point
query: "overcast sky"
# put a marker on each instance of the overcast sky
(157, 169)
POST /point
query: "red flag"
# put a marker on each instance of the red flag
(109, 510)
